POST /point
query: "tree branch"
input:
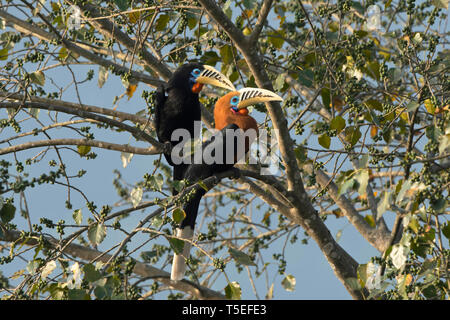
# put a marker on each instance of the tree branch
(27, 28)
(303, 213)
(80, 142)
(140, 269)
(137, 133)
(111, 30)
(265, 9)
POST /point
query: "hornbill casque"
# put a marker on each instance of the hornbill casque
(230, 114)
(177, 105)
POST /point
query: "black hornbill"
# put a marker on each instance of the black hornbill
(232, 119)
(180, 108)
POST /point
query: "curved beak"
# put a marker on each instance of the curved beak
(248, 96)
(213, 77)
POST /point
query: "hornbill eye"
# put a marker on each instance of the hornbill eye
(234, 101)
(196, 72)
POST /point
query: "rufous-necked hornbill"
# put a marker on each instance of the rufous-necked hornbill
(177, 105)
(230, 114)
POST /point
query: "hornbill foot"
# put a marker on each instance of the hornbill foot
(236, 173)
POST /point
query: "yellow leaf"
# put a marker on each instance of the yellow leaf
(247, 13)
(247, 31)
(408, 279)
(134, 16)
(130, 90)
(429, 106)
(83, 150)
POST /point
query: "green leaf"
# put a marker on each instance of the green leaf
(352, 135)
(38, 77)
(301, 153)
(97, 233)
(78, 294)
(157, 222)
(77, 216)
(414, 225)
(374, 104)
(226, 54)
(383, 205)
(157, 182)
(162, 22)
(7, 212)
(241, 258)
(179, 215)
(373, 70)
(210, 58)
(326, 99)
(32, 266)
(363, 179)
(446, 230)
(325, 141)
(306, 77)
(412, 106)
(338, 123)
(90, 273)
(233, 291)
(83, 150)
(276, 39)
(4, 54)
(121, 4)
(280, 82)
(439, 205)
(136, 196)
(288, 283)
(248, 4)
(346, 185)
(177, 245)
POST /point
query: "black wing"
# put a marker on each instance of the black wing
(159, 105)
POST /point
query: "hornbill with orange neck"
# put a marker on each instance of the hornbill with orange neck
(177, 105)
(227, 147)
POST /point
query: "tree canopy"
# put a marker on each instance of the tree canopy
(363, 136)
